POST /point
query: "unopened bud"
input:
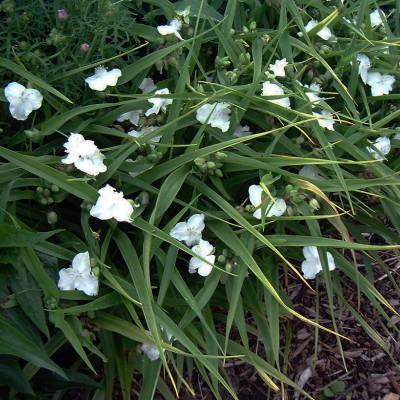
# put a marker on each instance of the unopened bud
(210, 164)
(221, 259)
(62, 14)
(54, 188)
(253, 25)
(85, 47)
(52, 217)
(314, 204)
(219, 173)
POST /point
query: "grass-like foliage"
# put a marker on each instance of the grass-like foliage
(262, 151)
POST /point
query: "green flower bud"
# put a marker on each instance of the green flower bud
(95, 271)
(50, 200)
(51, 303)
(293, 192)
(219, 173)
(228, 267)
(34, 135)
(300, 140)
(39, 190)
(52, 217)
(289, 188)
(210, 164)
(173, 61)
(290, 211)
(46, 192)
(159, 65)
(54, 188)
(314, 204)
(43, 201)
(199, 161)
(253, 25)
(219, 155)
(245, 29)
(225, 252)
(221, 259)
(232, 32)
(160, 41)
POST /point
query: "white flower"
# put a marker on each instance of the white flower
(84, 154)
(312, 264)
(79, 276)
(189, 231)
(111, 204)
(382, 146)
(375, 18)
(22, 101)
(152, 351)
(279, 67)
(310, 172)
(380, 84)
(103, 78)
(203, 249)
(173, 28)
(325, 122)
(242, 131)
(217, 115)
(147, 85)
(132, 116)
(364, 65)
(324, 33)
(145, 131)
(158, 103)
(271, 89)
(314, 95)
(272, 208)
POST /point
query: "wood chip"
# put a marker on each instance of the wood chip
(391, 396)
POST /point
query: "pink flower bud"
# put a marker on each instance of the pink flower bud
(85, 47)
(62, 14)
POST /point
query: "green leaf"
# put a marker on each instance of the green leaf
(12, 376)
(13, 342)
(12, 236)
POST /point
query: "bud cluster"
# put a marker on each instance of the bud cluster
(45, 192)
(227, 262)
(295, 198)
(210, 164)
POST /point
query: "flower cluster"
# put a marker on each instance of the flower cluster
(84, 154)
(191, 233)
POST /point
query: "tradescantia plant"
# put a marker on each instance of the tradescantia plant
(251, 142)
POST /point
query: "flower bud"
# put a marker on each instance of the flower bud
(290, 211)
(39, 190)
(62, 14)
(43, 201)
(50, 200)
(232, 32)
(314, 204)
(143, 198)
(95, 271)
(221, 259)
(219, 173)
(85, 47)
(210, 164)
(52, 217)
(34, 135)
(46, 192)
(51, 303)
(54, 188)
(293, 192)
